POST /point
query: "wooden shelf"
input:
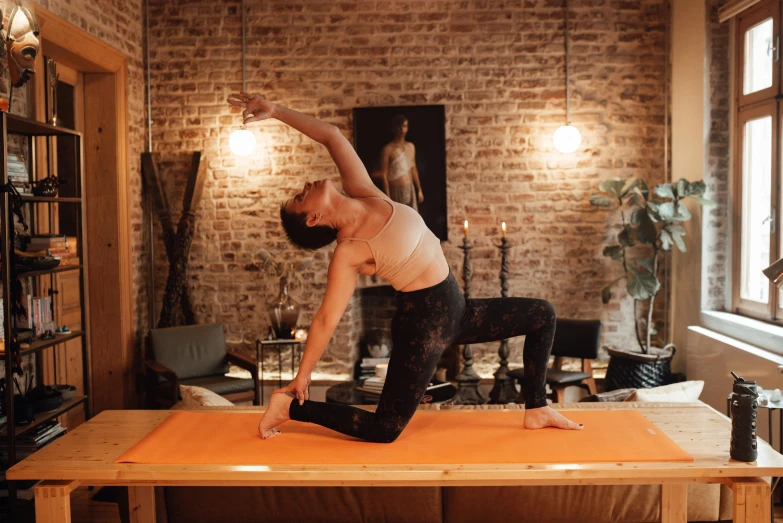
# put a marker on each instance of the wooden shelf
(26, 126)
(50, 199)
(40, 417)
(45, 344)
(63, 268)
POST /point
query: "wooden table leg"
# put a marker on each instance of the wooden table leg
(751, 500)
(674, 503)
(53, 501)
(141, 504)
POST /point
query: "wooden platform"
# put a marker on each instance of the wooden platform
(86, 456)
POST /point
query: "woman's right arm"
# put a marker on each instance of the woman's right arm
(340, 285)
(356, 181)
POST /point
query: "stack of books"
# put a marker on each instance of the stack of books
(55, 245)
(17, 174)
(39, 313)
(33, 439)
(373, 385)
(367, 366)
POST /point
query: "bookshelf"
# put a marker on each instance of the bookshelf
(40, 214)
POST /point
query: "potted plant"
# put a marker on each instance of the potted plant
(651, 227)
(283, 310)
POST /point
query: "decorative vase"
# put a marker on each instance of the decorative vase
(283, 312)
(631, 369)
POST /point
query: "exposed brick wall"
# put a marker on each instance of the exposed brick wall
(716, 241)
(497, 66)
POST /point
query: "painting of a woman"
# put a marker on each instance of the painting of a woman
(404, 150)
(398, 171)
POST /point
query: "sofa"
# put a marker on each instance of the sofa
(546, 504)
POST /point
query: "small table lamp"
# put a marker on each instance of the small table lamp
(775, 273)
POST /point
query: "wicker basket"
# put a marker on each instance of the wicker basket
(639, 371)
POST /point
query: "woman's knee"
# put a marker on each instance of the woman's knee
(547, 312)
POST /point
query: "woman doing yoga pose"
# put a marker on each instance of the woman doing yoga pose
(378, 236)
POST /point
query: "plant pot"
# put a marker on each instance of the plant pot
(283, 312)
(632, 369)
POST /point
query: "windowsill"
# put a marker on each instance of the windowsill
(754, 332)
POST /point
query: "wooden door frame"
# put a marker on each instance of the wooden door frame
(106, 153)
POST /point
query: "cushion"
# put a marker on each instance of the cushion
(191, 351)
(200, 397)
(683, 392)
(563, 377)
(617, 395)
(220, 384)
(304, 504)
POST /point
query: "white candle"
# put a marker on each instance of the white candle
(466, 228)
(503, 228)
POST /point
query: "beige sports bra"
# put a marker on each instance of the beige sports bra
(403, 248)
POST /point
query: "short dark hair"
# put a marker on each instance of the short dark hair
(310, 238)
(398, 120)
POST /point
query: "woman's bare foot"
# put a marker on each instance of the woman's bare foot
(548, 417)
(276, 414)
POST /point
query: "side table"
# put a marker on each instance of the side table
(279, 346)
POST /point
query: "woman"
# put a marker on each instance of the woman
(400, 177)
(377, 236)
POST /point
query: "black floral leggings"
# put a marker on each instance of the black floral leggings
(427, 322)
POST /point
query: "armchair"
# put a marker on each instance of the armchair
(195, 355)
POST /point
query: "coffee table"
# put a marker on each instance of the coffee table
(86, 457)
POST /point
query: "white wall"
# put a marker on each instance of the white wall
(712, 356)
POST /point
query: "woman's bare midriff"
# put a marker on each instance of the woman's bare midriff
(401, 181)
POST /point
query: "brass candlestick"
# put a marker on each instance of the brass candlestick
(504, 390)
(468, 380)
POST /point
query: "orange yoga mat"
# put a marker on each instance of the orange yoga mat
(432, 438)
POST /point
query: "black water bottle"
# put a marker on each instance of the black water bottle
(744, 414)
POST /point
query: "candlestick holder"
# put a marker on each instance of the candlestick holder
(468, 392)
(503, 391)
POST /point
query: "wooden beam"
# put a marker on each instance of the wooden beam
(751, 500)
(53, 501)
(153, 185)
(674, 503)
(141, 504)
(176, 283)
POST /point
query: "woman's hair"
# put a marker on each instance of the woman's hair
(311, 238)
(398, 120)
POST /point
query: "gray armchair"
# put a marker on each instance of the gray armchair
(195, 355)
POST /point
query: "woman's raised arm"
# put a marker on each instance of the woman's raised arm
(355, 179)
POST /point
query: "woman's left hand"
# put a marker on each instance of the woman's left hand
(421, 197)
(298, 387)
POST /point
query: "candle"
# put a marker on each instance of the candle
(466, 228)
(503, 228)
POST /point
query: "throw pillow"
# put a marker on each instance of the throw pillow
(683, 392)
(201, 397)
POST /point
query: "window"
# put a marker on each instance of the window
(757, 170)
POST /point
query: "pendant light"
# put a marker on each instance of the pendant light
(242, 142)
(567, 137)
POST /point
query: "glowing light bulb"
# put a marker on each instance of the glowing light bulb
(567, 139)
(242, 142)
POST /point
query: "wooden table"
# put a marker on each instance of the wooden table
(86, 457)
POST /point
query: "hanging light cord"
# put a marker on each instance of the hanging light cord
(244, 44)
(567, 52)
(149, 99)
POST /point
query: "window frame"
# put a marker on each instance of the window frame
(769, 9)
(745, 108)
(742, 306)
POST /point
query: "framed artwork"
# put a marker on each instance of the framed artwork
(404, 150)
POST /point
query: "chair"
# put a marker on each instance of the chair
(573, 339)
(195, 355)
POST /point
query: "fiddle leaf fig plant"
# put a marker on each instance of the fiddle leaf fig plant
(283, 269)
(651, 225)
